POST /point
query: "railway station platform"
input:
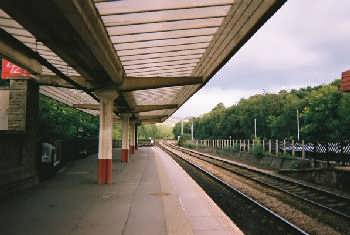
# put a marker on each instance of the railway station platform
(150, 194)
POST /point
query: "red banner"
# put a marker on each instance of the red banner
(12, 71)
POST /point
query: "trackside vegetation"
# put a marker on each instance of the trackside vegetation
(58, 121)
(324, 114)
(146, 131)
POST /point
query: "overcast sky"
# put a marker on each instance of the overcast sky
(305, 43)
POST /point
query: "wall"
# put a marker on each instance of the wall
(19, 149)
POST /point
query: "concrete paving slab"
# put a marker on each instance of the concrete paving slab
(149, 195)
(201, 212)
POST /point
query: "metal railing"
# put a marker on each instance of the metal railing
(325, 151)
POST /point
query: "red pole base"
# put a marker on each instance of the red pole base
(124, 155)
(136, 147)
(132, 149)
(104, 171)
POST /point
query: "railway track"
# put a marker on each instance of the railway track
(328, 201)
(265, 221)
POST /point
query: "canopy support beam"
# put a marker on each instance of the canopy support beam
(137, 109)
(144, 83)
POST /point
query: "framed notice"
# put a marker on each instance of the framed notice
(4, 108)
(12, 71)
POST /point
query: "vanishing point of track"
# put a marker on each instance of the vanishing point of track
(329, 201)
(269, 220)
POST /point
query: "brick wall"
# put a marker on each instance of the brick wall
(19, 149)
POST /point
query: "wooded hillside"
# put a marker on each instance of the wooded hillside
(324, 113)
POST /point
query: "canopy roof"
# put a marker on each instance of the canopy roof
(155, 54)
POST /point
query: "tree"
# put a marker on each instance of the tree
(155, 131)
(324, 115)
(59, 121)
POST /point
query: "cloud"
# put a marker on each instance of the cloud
(306, 43)
(206, 99)
(302, 44)
(275, 52)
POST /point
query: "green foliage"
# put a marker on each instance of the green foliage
(117, 131)
(146, 131)
(183, 141)
(177, 128)
(258, 150)
(155, 131)
(324, 115)
(59, 121)
(188, 144)
(235, 148)
(226, 151)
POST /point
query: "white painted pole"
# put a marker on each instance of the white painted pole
(263, 145)
(192, 130)
(255, 127)
(298, 125)
(302, 149)
(182, 128)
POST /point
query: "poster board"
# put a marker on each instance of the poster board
(17, 111)
(13, 106)
(4, 106)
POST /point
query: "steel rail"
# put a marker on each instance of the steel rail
(292, 226)
(331, 196)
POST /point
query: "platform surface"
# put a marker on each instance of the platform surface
(150, 195)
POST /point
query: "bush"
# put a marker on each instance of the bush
(183, 140)
(224, 150)
(189, 145)
(235, 148)
(258, 150)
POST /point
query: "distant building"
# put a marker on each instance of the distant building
(345, 81)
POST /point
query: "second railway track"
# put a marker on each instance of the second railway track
(252, 216)
(328, 201)
(333, 208)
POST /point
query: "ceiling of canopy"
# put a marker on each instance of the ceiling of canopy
(150, 39)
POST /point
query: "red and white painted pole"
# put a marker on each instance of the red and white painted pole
(132, 136)
(125, 137)
(107, 98)
(136, 147)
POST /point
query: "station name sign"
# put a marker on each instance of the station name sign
(12, 71)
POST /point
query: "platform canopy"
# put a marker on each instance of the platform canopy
(155, 54)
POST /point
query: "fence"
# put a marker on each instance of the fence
(140, 143)
(325, 151)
